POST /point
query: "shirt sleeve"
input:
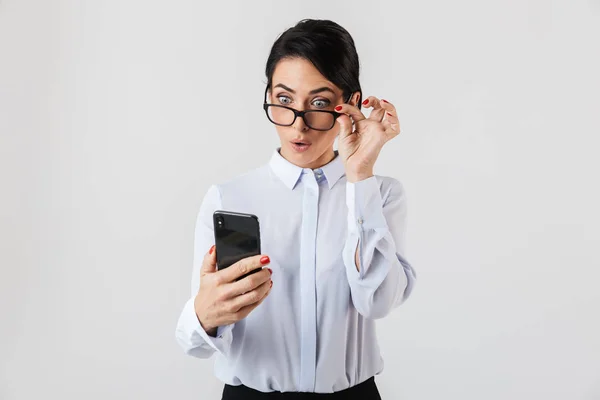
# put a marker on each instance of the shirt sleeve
(189, 333)
(377, 227)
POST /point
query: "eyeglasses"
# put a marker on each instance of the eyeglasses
(319, 120)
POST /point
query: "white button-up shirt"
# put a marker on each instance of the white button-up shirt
(315, 331)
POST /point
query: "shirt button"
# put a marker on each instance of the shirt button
(360, 221)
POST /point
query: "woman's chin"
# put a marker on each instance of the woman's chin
(299, 158)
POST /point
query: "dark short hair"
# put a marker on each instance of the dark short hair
(327, 45)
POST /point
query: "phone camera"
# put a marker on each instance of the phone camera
(220, 222)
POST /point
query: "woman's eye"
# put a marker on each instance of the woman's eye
(321, 103)
(284, 99)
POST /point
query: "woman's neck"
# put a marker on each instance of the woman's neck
(324, 159)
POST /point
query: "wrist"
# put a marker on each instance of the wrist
(210, 330)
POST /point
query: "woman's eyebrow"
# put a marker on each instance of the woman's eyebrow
(322, 89)
(315, 91)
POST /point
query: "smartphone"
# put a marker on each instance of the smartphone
(237, 236)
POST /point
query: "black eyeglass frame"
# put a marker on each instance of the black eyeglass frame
(300, 113)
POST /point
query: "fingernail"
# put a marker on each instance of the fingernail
(385, 101)
(265, 260)
(211, 249)
(389, 114)
(271, 284)
(270, 271)
(365, 102)
(338, 108)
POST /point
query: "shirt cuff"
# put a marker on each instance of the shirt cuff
(198, 337)
(365, 205)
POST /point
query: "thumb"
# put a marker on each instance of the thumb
(209, 264)
(345, 126)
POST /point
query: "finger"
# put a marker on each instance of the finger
(355, 114)
(244, 311)
(387, 106)
(209, 264)
(248, 284)
(390, 121)
(345, 126)
(378, 110)
(242, 267)
(251, 297)
(391, 125)
(372, 102)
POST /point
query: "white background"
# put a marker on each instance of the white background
(116, 116)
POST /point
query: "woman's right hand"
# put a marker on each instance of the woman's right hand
(221, 300)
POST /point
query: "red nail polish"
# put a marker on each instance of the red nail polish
(270, 271)
(365, 102)
(265, 260)
(211, 249)
(338, 108)
(385, 101)
(389, 114)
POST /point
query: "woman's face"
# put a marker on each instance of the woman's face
(299, 85)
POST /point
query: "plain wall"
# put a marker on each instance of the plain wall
(116, 116)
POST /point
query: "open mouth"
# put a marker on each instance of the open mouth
(300, 146)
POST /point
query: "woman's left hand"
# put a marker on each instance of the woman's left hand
(360, 144)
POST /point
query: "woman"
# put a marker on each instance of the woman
(332, 235)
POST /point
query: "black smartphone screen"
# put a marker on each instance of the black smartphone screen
(237, 236)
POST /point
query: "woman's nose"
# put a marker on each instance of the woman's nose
(300, 125)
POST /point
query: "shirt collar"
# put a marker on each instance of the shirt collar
(290, 174)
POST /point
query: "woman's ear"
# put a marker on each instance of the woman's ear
(355, 99)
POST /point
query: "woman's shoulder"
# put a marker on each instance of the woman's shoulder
(246, 179)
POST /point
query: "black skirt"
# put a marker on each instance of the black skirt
(366, 390)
